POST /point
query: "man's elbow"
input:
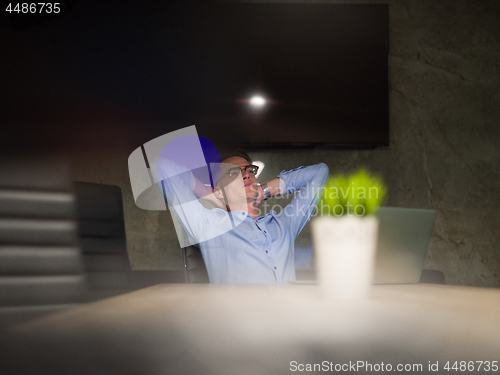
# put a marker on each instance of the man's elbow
(324, 170)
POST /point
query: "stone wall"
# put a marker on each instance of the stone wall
(444, 104)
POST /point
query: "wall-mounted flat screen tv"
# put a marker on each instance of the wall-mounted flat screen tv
(281, 75)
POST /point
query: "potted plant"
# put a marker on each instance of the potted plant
(345, 233)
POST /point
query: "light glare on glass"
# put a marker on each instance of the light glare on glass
(261, 166)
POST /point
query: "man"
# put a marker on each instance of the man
(241, 246)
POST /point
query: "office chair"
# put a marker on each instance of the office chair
(101, 229)
(195, 270)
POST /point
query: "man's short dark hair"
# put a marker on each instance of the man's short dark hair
(229, 153)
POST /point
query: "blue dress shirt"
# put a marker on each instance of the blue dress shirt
(256, 250)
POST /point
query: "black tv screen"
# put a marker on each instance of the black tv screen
(321, 69)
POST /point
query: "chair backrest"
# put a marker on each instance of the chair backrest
(194, 265)
(101, 229)
(41, 268)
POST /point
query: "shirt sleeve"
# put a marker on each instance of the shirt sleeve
(309, 183)
(200, 223)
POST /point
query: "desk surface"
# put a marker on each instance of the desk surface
(268, 329)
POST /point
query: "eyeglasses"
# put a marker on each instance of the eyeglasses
(250, 169)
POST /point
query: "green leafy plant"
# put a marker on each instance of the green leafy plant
(358, 194)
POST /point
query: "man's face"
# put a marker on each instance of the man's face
(249, 187)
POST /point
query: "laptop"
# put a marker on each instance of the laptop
(403, 240)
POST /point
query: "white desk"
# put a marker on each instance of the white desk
(238, 329)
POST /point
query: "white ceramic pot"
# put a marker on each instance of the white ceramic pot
(345, 254)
